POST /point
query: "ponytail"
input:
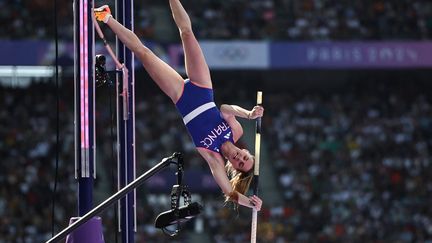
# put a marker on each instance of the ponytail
(240, 181)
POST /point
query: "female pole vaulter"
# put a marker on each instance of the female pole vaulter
(213, 131)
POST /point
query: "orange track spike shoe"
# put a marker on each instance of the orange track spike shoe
(103, 13)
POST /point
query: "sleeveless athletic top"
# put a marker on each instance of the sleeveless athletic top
(202, 118)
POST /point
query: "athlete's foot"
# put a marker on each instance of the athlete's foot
(103, 13)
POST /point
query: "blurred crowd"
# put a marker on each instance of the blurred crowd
(28, 155)
(294, 20)
(314, 19)
(353, 165)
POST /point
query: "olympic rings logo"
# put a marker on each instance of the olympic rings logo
(231, 53)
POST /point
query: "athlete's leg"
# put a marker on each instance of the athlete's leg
(195, 64)
(165, 76)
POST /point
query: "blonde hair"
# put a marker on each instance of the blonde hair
(240, 181)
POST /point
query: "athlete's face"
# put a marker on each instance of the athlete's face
(241, 159)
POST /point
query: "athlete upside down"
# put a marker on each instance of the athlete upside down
(214, 131)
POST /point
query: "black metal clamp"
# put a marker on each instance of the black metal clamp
(178, 214)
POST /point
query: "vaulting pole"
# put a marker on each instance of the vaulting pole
(256, 170)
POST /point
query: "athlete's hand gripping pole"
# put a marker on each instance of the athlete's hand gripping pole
(256, 168)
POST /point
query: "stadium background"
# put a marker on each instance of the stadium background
(347, 129)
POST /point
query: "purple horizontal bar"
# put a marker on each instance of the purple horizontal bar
(351, 55)
(283, 55)
(23, 52)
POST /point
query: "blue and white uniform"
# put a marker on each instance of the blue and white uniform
(202, 118)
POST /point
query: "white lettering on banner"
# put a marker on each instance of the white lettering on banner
(214, 133)
(361, 54)
(337, 54)
(357, 55)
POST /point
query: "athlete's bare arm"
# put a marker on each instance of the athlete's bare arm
(235, 110)
(216, 164)
(230, 112)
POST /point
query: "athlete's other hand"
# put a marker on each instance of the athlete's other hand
(257, 111)
(255, 202)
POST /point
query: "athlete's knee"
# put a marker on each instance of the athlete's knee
(141, 51)
(186, 32)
